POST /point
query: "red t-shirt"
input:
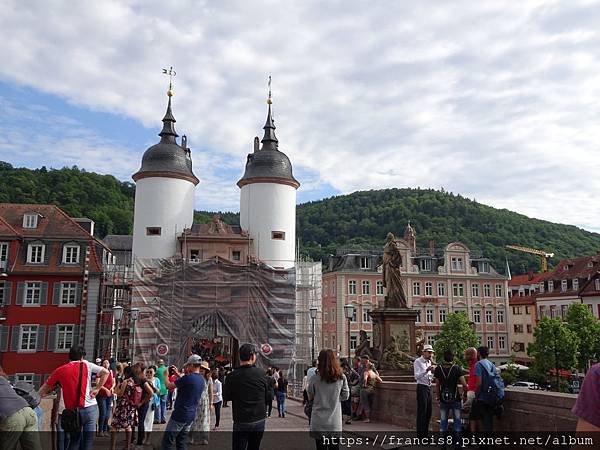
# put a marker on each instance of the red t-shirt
(172, 379)
(472, 383)
(67, 376)
(107, 385)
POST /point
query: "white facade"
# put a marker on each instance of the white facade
(163, 208)
(266, 211)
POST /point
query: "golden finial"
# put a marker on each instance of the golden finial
(171, 74)
(269, 100)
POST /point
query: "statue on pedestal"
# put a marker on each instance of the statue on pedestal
(392, 280)
(363, 346)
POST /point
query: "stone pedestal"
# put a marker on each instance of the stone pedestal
(394, 327)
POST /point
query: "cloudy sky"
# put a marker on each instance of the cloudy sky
(497, 101)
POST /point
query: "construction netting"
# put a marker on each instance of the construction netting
(212, 307)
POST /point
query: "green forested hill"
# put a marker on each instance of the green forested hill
(361, 219)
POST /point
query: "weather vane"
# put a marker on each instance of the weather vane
(171, 74)
(269, 101)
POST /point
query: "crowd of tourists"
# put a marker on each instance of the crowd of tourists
(126, 400)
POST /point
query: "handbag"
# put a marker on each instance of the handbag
(69, 419)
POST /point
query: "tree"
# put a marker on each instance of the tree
(554, 347)
(586, 327)
(456, 335)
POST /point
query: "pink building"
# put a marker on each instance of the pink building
(437, 282)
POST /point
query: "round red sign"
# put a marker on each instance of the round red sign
(162, 349)
(266, 349)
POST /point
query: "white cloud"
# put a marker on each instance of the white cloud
(495, 100)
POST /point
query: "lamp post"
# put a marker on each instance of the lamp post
(313, 315)
(349, 312)
(134, 315)
(117, 315)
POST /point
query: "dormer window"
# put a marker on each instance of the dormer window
(563, 285)
(365, 262)
(457, 263)
(484, 267)
(425, 265)
(575, 284)
(71, 254)
(30, 220)
(36, 253)
(550, 285)
(541, 288)
(597, 284)
(590, 264)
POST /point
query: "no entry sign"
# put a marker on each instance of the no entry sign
(266, 349)
(162, 349)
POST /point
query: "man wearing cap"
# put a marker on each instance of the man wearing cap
(247, 389)
(189, 390)
(423, 370)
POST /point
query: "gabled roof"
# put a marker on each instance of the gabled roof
(527, 279)
(576, 268)
(118, 242)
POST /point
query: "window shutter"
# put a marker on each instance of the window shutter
(7, 292)
(47, 251)
(41, 338)
(14, 341)
(52, 337)
(82, 250)
(44, 294)
(78, 292)
(56, 293)
(20, 293)
(76, 335)
(4, 330)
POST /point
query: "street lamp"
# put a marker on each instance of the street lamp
(349, 312)
(313, 315)
(134, 314)
(117, 315)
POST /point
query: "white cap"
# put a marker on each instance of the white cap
(98, 360)
(428, 348)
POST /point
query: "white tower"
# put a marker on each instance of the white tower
(268, 201)
(164, 194)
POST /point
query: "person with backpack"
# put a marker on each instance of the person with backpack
(80, 415)
(143, 404)
(448, 376)
(489, 393)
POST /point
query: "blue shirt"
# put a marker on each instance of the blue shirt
(189, 391)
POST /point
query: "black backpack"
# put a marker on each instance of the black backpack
(447, 395)
(28, 393)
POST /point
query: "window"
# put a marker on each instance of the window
(442, 314)
(153, 231)
(458, 289)
(68, 293)
(365, 262)
(3, 254)
(516, 310)
(476, 316)
(332, 315)
(333, 288)
(498, 290)
(484, 267)
(236, 255)
(542, 287)
(366, 287)
(441, 289)
(425, 265)
(27, 377)
(487, 290)
(33, 293)
(366, 317)
(529, 328)
(519, 347)
(550, 285)
(64, 337)
(278, 235)
(527, 310)
(575, 284)
(195, 255)
(416, 288)
(457, 263)
(597, 284)
(563, 285)
(500, 316)
(30, 220)
(352, 287)
(353, 318)
(353, 342)
(36, 253)
(429, 316)
(379, 287)
(501, 343)
(518, 328)
(475, 290)
(431, 340)
(2, 292)
(490, 342)
(418, 319)
(488, 316)
(333, 344)
(429, 288)
(325, 316)
(28, 337)
(71, 254)
(326, 342)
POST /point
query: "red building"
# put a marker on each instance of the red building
(50, 272)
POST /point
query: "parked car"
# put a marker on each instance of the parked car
(526, 385)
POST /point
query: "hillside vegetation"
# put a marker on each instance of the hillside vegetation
(358, 220)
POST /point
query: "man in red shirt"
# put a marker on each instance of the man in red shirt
(67, 376)
(469, 396)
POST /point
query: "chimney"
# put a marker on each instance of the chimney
(256, 144)
(431, 246)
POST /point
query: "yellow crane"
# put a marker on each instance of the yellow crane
(543, 254)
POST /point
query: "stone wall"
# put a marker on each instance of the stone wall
(396, 403)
